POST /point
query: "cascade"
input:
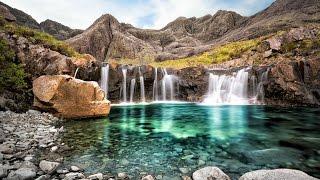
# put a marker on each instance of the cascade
(260, 87)
(124, 85)
(132, 89)
(155, 95)
(224, 89)
(75, 74)
(142, 93)
(105, 79)
(167, 84)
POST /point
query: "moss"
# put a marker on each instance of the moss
(12, 75)
(41, 38)
(216, 55)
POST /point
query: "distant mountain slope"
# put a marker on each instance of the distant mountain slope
(58, 30)
(22, 18)
(107, 38)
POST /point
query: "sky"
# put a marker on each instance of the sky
(152, 14)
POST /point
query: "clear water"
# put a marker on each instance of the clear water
(159, 139)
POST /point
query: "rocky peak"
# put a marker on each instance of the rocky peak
(58, 30)
(6, 14)
(105, 20)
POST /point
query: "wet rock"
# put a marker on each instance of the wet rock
(23, 174)
(48, 167)
(186, 178)
(184, 170)
(98, 176)
(54, 149)
(148, 177)
(73, 176)
(6, 148)
(283, 174)
(210, 173)
(123, 175)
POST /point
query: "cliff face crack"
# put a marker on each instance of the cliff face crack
(108, 47)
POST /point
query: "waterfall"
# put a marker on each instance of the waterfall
(142, 93)
(124, 85)
(260, 87)
(225, 89)
(75, 74)
(132, 89)
(105, 79)
(155, 95)
(167, 84)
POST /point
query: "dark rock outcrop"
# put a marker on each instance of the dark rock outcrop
(58, 30)
(6, 14)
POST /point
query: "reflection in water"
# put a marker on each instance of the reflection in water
(161, 138)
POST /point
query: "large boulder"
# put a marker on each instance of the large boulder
(68, 97)
(6, 14)
(210, 173)
(283, 174)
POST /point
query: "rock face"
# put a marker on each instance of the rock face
(58, 30)
(284, 174)
(210, 173)
(107, 38)
(70, 98)
(6, 14)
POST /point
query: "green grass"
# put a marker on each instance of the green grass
(216, 55)
(38, 37)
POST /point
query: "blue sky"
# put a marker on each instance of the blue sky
(153, 14)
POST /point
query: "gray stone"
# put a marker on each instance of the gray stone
(283, 174)
(149, 177)
(48, 167)
(184, 170)
(54, 149)
(43, 177)
(3, 172)
(24, 174)
(1, 157)
(6, 148)
(98, 176)
(210, 173)
(123, 175)
(75, 168)
(74, 175)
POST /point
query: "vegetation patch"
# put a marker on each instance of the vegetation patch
(216, 55)
(38, 37)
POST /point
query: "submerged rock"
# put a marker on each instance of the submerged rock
(69, 97)
(283, 174)
(210, 173)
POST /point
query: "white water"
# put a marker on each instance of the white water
(132, 89)
(105, 79)
(75, 74)
(260, 87)
(167, 86)
(155, 94)
(142, 93)
(124, 85)
(224, 89)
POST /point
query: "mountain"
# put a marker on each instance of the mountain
(107, 38)
(58, 30)
(22, 18)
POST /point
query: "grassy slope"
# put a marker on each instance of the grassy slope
(216, 55)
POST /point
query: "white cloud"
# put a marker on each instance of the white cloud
(82, 13)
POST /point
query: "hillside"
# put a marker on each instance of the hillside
(186, 37)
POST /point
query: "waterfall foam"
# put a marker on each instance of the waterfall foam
(105, 79)
(132, 89)
(168, 86)
(142, 91)
(155, 94)
(124, 85)
(260, 87)
(224, 89)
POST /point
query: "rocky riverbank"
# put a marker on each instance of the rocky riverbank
(31, 148)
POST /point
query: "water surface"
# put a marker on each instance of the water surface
(171, 140)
